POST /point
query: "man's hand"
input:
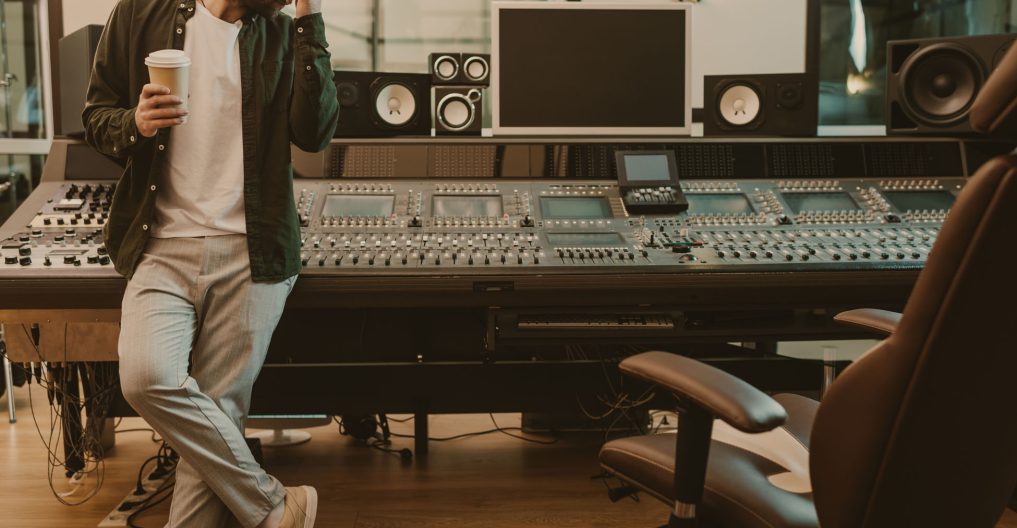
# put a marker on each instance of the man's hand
(308, 7)
(158, 109)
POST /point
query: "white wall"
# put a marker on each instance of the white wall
(80, 13)
(729, 36)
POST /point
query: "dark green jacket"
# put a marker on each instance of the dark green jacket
(288, 96)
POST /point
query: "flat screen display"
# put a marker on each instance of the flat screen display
(647, 168)
(588, 67)
(820, 201)
(348, 205)
(719, 204)
(585, 239)
(468, 206)
(575, 208)
(920, 200)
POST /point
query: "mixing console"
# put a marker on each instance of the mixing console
(427, 226)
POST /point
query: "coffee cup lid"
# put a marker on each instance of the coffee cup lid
(168, 58)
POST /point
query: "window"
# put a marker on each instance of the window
(853, 53)
(23, 122)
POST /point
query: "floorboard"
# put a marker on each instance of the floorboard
(492, 481)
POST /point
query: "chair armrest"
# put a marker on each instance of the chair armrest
(718, 393)
(880, 321)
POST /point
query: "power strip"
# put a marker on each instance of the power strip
(118, 517)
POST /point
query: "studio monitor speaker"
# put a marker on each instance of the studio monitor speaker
(77, 53)
(458, 110)
(780, 104)
(460, 69)
(383, 104)
(932, 83)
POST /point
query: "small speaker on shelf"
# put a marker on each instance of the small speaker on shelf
(77, 54)
(776, 104)
(460, 69)
(383, 104)
(932, 83)
(458, 110)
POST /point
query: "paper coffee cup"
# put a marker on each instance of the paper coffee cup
(171, 68)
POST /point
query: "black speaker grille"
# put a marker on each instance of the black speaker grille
(900, 159)
(705, 161)
(336, 161)
(363, 161)
(790, 160)
(463, 161)
(592, 161)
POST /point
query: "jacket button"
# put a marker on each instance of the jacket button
(300, 30)
(153, 187)
(180, 31)
(133, 139)
(308, 68)
(162, 147)
(144, 227)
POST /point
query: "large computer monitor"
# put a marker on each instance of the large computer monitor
(570, 68)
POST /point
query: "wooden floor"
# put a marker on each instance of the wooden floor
(489, 481)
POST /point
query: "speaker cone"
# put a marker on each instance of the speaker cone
(395, 104)
(476, 69)
(349, 94)
(941, 83)
(446, 67)
(739, 104)
(790, 96)
(457, 111)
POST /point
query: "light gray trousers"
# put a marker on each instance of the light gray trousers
(194, 334)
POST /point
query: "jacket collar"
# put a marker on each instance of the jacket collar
(187, 7)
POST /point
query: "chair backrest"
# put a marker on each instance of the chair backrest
(922, 430)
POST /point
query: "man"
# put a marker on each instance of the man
(204, 227)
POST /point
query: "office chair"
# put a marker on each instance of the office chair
(921, 431)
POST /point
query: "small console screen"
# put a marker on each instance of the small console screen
(920, 200)
(719, 204)
(579, 208)
(468, 206)
(349, 205)
(585, 239)
(647, 168)
(820, 201)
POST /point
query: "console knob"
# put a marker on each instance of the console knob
(527, 221)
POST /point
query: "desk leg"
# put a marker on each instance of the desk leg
(420, 434)
(9, 384)
(829, 374)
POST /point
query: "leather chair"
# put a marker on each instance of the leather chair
(921, 431)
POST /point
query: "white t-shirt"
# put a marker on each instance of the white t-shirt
(202, 192)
